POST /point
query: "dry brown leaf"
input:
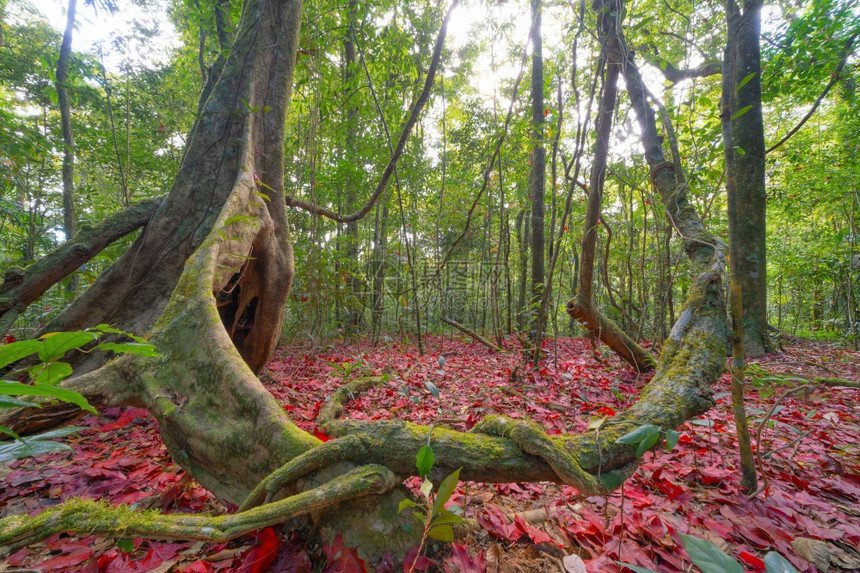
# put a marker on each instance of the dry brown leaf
(574, 564)
(815, 551)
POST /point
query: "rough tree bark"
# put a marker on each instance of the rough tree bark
(742, 90)
(220, 423)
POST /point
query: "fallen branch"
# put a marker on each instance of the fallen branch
(469, 332)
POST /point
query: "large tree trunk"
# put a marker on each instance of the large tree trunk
(220, 423)
(742, 90)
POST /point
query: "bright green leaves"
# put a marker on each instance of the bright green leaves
(437, 520)
(645, 436)
(45, 376)
(424, 461)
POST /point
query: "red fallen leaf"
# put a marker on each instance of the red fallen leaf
(71, 559)
(9, 339)
(606, 411)
(340, 559)
(536, 535)
(672, 490)
(460, 562)
(414, 561)
(492, 519)
(751, 560)
(258, 558)
(320, 435)
(199, 566)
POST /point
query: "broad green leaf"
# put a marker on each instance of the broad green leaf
(671, 440)
(56, 344)
(776, 563)
(447, 517)
(647, 443)
(432, 388)
(107, 329)
(446, 488)
(50, 373)
(18, 389)
(15, 351)
(11, 402)
(424, 460)
(129, 348)
(640, 434)
(28, 448)
(594, 423)
(442, 533)
(125, 545)
(636, 568)
(404, 503)
(740, 150)
(745, 81)
(742, 111)
(708, 557)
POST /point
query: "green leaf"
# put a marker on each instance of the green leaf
(50, 373)
(663, 64)
(595, 422)
(56, 344)
(740, 150)
(447, 517)
(646, 444)
(636, 568)
(107, 329)
(708, 557)
(671, 440)
(776, 563)
(129, 348)
(745, 81)
(58, 433)
(8, 431)
(10, 402)
(432, 388)
(15, 351)
(424, 460)
(125, 545)
(239, 218)
(442, 533)
(426, 488)
(18, 389)
(446, 488)
(404, 503)
(640, 434)
(742, 111)
(26, 449)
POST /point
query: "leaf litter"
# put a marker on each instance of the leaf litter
(811, 449)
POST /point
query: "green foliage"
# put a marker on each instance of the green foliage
(43, 379)
(437, 520)
(645, 436)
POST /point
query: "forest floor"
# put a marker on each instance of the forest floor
(810, 452)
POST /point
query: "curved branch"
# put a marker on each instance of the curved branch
(846, 51)
(401, 143)
(21, 287)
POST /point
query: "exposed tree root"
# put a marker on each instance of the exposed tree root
(87, 517)
(333, 408)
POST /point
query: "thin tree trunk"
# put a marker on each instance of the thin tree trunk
(537, 175)
(64, 101)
